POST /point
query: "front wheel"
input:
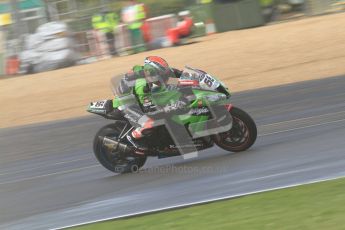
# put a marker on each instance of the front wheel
(115, 161)
(241, 136)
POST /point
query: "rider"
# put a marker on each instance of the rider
(149, 83)
(151, 77)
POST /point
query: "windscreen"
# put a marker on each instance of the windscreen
(206, 81)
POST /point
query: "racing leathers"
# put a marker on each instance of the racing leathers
(143, 113)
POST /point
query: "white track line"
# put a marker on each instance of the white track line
(204, 201)
(305, 118)
(302, 127)
(50, 174)
(43, 166)
(289, 173)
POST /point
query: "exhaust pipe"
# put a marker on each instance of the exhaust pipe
(115, 146)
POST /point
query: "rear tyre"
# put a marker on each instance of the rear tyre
(241, 136)
(115, 161)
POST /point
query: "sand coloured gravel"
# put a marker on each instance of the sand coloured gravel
(306, 49)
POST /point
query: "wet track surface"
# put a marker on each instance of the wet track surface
(49, 177)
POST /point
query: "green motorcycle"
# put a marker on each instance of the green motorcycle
(210, 119)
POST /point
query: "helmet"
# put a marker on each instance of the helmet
(154, 78)
(160, 65)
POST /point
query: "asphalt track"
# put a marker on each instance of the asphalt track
(49, 177)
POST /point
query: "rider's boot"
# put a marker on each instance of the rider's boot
(136, 137)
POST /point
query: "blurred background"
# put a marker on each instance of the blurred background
(42, 35)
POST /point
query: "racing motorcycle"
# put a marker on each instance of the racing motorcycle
(207, 124)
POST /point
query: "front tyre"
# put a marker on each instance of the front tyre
(241, 136)
(115, 161)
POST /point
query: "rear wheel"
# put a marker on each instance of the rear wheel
(115, 161)
(241, 136)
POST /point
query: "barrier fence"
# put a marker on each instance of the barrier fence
(92, 45)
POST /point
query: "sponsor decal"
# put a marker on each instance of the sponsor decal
(199, 111)
(129, 138)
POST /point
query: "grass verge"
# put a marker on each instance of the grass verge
(314, 206)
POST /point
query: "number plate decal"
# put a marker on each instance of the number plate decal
(209, 82)
(98, 104)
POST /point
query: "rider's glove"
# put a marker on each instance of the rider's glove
(177, 72)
